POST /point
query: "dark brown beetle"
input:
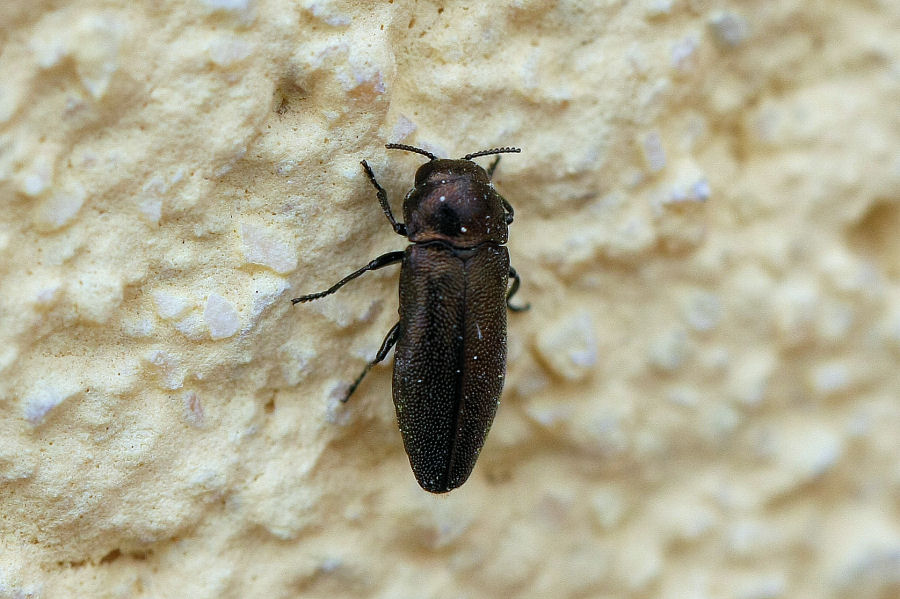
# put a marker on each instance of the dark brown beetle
(451, 338)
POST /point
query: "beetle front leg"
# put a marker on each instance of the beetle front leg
(512, 291)
(399, 228)
(493, 167)
(386, 346)
(379, 262)
(510, 213)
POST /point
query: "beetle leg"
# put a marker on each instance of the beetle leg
(493, 167)
(386, 346)
(399, 228)
(510, 213)
(506, 205)
(379, 262)
(512, 291)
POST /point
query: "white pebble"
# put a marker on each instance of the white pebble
(221, 317)
(325, 11)
(35, 183)
(682, 53)
(295, 359)
(830, 378)
(138, 327)
(262, 246)
(835, 321)
(95, 47)
(151, 209)
(8, 355)
(702, 311)
(729, 29)
(569, 347)
(659, 8)
(547, 412)
(749, 380)
(169, 305)
(61, 207)
(226, 51)
(668, 351)
(267, 289)
(170, 367)
(41, 400)
(239, 6)
(286, 167)
(654, 154)
(699, 190)
(47, 293)
(403, 128)
(806, 452)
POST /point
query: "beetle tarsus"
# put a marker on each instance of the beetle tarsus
(399, 228)
(379, 262)
(512, 291)
(386, 345)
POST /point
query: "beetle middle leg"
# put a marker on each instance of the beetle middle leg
(512, 291)
(379, 262)
(386, 346)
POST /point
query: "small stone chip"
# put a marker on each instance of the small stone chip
(569, 347)
(263, 248)
(221, 317)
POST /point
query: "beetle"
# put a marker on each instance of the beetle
(450, 361)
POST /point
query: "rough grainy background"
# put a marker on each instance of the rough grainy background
(702, 402)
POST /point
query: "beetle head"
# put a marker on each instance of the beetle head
(454, 201)
(440, 170)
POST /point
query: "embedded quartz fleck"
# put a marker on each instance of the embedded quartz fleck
(221, 317)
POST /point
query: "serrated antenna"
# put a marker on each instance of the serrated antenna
(506, 150)
(411, 149)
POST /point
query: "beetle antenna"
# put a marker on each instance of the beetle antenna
(506, 150)
(411, 149)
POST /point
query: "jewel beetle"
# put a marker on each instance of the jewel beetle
(450, 361)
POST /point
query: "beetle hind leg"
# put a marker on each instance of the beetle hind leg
(512, 291)
(386, 345)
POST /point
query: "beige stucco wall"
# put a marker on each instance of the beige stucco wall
(701, 403)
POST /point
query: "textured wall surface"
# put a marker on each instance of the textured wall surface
(701, 403)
